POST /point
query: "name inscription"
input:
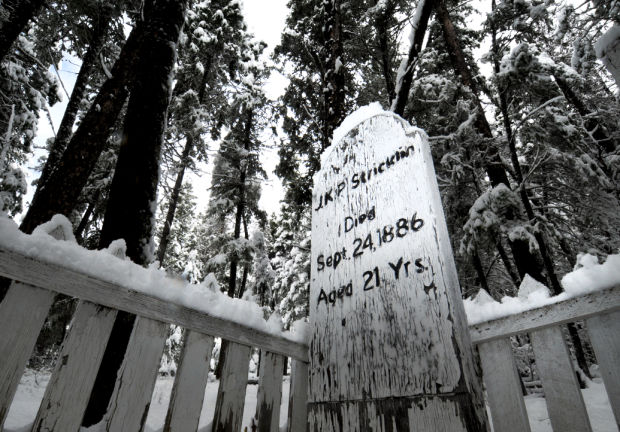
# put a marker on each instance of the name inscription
(362, 177)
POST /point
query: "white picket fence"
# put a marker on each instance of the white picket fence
(25, 307)
(567, 413)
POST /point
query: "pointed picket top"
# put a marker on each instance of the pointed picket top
(118, 248)
(483, 297)
(531, 287)
(58, 227)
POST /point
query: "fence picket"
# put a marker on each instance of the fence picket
(269, 392)
(567, 411)
(231, 393)
(68, 391)
(503, 388)
(136, 378)
(189, 383)
(604, 333)
(22, 314)
(298, 397)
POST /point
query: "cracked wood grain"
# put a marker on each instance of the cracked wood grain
(388, 327)
(188, 389)
(269, 392)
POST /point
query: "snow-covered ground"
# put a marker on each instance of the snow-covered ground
(30, 393)
(32, 386)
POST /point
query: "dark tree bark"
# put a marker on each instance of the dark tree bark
(381, 26)
(174, 200)
(79, 231)
(592, 125)
(516, 280)
(129, 214)
(20, 12)
(481, 279)
(334, 80)
(234, 262)
(178, 184)
(62, 189)
(556, 287)
(97, 40)
(425, 8)
(525, 260)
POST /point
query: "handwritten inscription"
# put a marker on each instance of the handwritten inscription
(362, 177)
(362, 230)
(351, 222)
(376, 277)
(371, 241)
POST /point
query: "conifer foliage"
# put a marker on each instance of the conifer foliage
(523, 120)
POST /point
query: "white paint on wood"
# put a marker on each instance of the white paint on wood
(503, 388)
(604, 333)
(567, 411)
(608, 50)
(22, 314)
(231, 393)
(409, 414)
(189, 383)
(65, 281)
(135, 381)
(269, 392)
(67, 394)
(574, 309)
(298, 397)
(385, 306)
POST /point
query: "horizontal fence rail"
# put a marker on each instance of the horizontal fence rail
(35, 282)
(27, 302)
(601, 312)
(53, 277)
(574, 309)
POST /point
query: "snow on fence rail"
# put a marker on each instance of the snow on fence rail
(41, 266)
(567, 413)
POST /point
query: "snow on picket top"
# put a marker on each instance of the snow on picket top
(105, 265)
(589, 276)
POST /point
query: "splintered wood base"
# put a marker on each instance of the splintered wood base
(395, 414)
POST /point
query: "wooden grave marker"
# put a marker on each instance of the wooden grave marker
(390, 348)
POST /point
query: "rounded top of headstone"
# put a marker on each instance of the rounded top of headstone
(356, 118)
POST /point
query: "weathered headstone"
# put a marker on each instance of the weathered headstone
(607, 49)
(390, 349)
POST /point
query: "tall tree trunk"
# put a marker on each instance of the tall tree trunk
(129, 214)
(19, 13)
(334, 94)
(79, 231)
(61, 190)
(381, 26)
(97, 40)
(556, 287)
(240, 210)
(178, 184)
(569, 254)
(514, 276)
(405, 74)
(593, 126)
(174, 200)
(481, 279)
(524, 259)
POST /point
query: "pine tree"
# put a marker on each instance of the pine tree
(14, 16)
(212, 39)
(130, 210)
(62, 189)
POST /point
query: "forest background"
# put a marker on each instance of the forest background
(527, 154)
